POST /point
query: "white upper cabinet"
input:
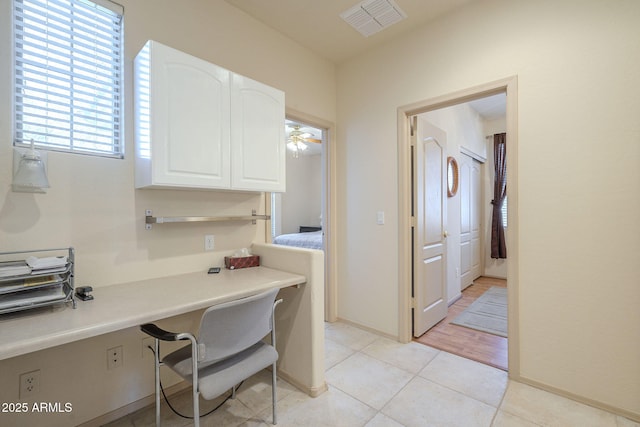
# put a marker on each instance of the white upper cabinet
(200, 126)
(182, 120)
(257, 136)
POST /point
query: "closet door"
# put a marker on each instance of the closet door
(470, 210)
(257, 136)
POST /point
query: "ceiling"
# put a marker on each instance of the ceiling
(492, 107)
(317, 25)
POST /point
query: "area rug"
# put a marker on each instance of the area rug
(488, 313)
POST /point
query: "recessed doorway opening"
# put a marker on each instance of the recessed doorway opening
(307, 209)
(464, 263)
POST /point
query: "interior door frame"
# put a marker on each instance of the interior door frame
(509, 86)
(329, 211)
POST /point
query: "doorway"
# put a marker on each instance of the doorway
(315, 223)
(507, 86)
(296, 215)
(448, 242)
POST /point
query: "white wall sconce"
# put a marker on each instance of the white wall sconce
(29, 170)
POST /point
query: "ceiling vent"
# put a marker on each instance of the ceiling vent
(372, 16)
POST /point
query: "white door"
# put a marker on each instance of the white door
(429, 231)
(257, 136)
(470, 207)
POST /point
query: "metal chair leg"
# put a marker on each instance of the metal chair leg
(196, 406)
(194, 376)
(274, 393)
(156, 357)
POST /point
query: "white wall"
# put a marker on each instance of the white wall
(578, 70)
(463, 127)
(302, 203)
(92, 204)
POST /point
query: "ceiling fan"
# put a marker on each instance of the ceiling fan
(297, 140)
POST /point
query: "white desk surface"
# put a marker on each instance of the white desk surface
(131, 304)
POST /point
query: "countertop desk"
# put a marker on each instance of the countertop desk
(131, 304)
(60, 340)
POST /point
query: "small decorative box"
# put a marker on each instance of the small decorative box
(233, 263)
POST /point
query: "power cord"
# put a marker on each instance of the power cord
(186, 416)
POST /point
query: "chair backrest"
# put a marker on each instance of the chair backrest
(228, 328)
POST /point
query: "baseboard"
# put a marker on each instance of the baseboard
(594, 403)
(311, 391)
(133, 406)
(453, 301)
(368, 329)
(490, 276)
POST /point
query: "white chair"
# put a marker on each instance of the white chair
(228, 350)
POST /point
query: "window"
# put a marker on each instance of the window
(503, 211)
(68, 75)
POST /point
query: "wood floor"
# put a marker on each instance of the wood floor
(469, 343)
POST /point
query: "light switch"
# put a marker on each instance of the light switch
(380, 217)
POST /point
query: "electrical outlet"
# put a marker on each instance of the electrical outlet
(29, 384)
(208, 242)
(146, 343)
(114, 357)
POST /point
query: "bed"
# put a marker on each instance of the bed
(311, 240)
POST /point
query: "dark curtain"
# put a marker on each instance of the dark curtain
(498, 245)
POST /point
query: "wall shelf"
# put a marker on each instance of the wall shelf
(150, 219)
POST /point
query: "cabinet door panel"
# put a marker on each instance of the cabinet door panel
(196, 127)
(182, 120)
(257, 134)
(191, 124)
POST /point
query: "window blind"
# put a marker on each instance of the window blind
(68, 75)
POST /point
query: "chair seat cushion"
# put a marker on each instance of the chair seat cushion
(217, 377)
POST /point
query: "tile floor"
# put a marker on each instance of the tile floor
(374, 381)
